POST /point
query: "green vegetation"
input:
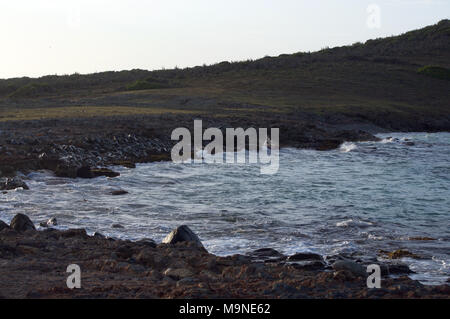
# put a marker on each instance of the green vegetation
(148, 84)
(435, 72)
(377, 82)
(37, 113)
(31, 90)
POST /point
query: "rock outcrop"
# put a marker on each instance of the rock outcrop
(3, 225)
(182, 234)
(22, 223)
(13, 183)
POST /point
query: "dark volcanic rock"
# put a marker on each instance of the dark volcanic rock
(51, 222)
(182, 234)
(307, 264)
(119, 192)
(3, 225)
(267, 255)
(21, 223)
(99, 235)
(395, 269)
(74, 233)
(84, 172)
(117, 226)
(48, 162)
(350, 266)
(266, 252)
(305, 256)
(13, 183)
(66, 170)
(124, 269)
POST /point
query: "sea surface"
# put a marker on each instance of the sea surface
(361, 198)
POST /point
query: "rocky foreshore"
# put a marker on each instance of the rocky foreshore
(33, 265)
(84, 148)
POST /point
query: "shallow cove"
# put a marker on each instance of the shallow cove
(358, 199)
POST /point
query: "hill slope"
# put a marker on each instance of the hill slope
(378, 82)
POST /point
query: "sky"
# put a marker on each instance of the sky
(41, 37)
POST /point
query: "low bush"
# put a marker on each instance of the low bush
(435, 72)
(148, 84)
(32, 90)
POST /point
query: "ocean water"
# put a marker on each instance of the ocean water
(361, 198)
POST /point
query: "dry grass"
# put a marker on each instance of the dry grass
(19, 114)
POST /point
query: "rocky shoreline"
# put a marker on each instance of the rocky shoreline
(33, 265)
(83, 148)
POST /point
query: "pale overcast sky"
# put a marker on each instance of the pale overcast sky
(40, 37)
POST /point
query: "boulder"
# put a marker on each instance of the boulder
(3, 225)
(84, 172)
(178, 274)
(267, 255)
(395, 269)
(350, 266)
(182, 234)
(119, 192)
(307, 265)
(21, 223)
(305, 256)
(74, 233)
(266, 252)
(13, 183)
(66, 170)
(99, 235)
(51, 222)
(49, 162)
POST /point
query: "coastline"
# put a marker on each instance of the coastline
(358, 209)
(34, 266)
(64, 146)
(69, 151)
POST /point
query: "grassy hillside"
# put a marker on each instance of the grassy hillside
(389, 82)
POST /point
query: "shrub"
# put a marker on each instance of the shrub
(148, 84)
(32, 90)
(435, 72)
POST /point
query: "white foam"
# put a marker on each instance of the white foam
(353, 223)
(348, 147)
(387, 140)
